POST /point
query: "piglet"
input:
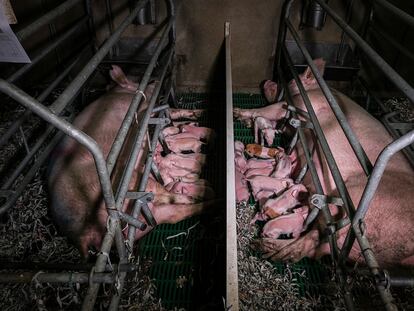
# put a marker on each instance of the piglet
(286, 201)
(191, 114)
(286, 165)
(265, 171)
(242, 190)
(239, 158)
(171, 130)
(270, 91)
(259, 183)
(267, 130)
(202, 133)
(286, 224)
(255, 150)
(260, 163)
(184, 142)
(198, 191)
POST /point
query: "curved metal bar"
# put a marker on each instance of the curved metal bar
(377, 173)
(43, 112)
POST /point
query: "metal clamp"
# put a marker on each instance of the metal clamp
(162, 121)
(320, 200)
(140, 195)
(296, 123)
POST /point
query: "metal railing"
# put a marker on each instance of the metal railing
(374, 173)
(53, 115)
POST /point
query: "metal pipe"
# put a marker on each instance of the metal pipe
(15, 126)
(402, 16)
(30, 174)
(403, 281)
(130, 115)
(340, 116)
(135, 213)
(377, 173)
(70, 92)
(281, 37)
(32, 104)
(46, 19)
(143, 124)
(389, 72)
(336, 174)
(142, 186)
(60, 277)
(18, 74)
(27, 158)
(393, 42)
(30, 265)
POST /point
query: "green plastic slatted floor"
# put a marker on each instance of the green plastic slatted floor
(174, 259)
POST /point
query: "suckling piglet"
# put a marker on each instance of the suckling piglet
(239, 158)
(242, 190)
(270, 91)
(289, 199)
(259, 183)
(184, 142)
(266, 129)
(286, 224)
(203, 133)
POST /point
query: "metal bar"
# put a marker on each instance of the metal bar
(27, 158)
(114, 228)
(232, 283)
(389, 72)
(142, 185)
(340, 116)
(401, 281)
(15, 126)
(30, 174)
(135, 213)
(60, 277)
(18, 74)
(377, 173)
(109, 16)
(130, 115)
(373, 266)
(46, 19)
(32, 104)
(403, 16)
(378, 31)
(143, 124)
(336, 174)
(281, 37)
(123, 188)
(30, 265)
(89, 68)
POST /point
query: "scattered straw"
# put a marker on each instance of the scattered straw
(261, 286)
(403, 107)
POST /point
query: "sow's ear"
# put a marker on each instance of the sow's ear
(320, 65)
(120, 78)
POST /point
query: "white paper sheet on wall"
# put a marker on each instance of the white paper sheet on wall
(11, 51)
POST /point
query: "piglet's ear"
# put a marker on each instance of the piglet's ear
(120, 78)
(320, 65)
